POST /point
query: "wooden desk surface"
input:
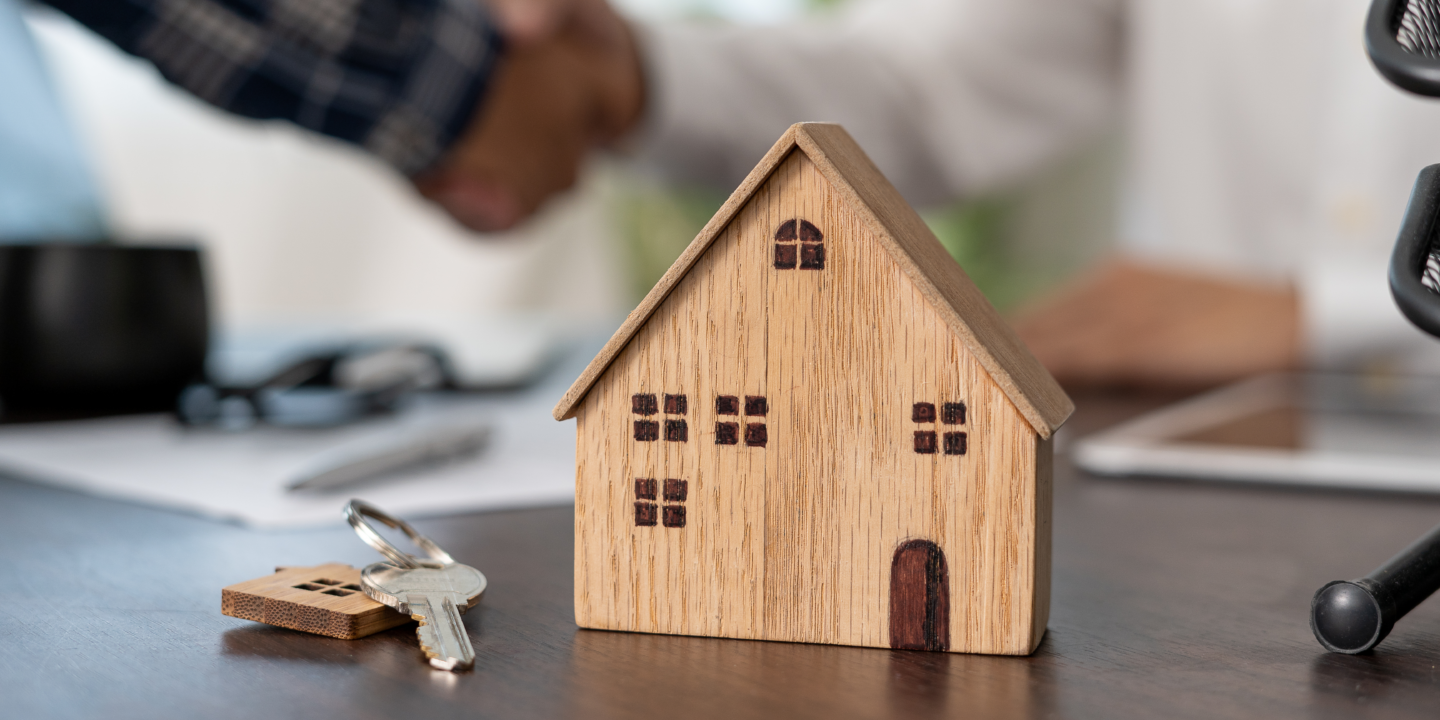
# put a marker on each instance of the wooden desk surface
(1171, 599)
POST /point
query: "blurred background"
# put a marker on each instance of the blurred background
(302, 229)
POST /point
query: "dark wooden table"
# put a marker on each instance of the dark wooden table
(1171, 599)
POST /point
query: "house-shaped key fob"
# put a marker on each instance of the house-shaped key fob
(325, 600)
(815, 428)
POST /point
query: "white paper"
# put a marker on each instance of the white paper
(241, 476)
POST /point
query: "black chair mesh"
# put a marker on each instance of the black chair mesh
(1419, 27)
(1430, 278)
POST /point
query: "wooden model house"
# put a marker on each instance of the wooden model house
(816, 429)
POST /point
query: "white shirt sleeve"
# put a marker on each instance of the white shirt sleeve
(949, 97)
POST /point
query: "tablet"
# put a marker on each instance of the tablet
(1356, 431)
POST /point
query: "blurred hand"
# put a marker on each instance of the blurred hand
(570, 80)
(1128, 325)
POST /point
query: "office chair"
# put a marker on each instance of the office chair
(1402, 38)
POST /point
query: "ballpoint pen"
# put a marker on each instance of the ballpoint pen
(417, 450)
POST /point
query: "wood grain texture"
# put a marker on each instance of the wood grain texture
(897, 227)
(793, 539)
(1176, 600)
(325, 600)
(938, 277)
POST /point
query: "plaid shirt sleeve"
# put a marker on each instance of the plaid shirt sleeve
(399, 78)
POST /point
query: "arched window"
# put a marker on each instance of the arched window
(799, 242)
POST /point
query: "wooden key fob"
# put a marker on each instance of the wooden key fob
(325, 600)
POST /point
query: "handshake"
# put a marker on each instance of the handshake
(570, 81)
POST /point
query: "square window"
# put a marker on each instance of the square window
(923, 413)
(784, 257)
(925, 442)
(756, 405)
(647, 430)
(676, 490)
(727, 405)
(643, 404)
(727, 433)
(756, 435)
(812, 256)
(676, 405)
(645, 488)
(809, 233)
(677, 431)
(645, 513)
(954, 443)
(953, 413)
(675, 516)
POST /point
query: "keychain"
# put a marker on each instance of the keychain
(340, 601)
(434, 592)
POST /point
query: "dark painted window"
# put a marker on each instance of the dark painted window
(643, 404)
(756, 405)
(675, 404)
(955, 443)
(799, 240)
(727, 405)
(676, 490)
(675, 516)
(648, 513)
(812, 256)
(756, 435)
(645, 513)
(925, 442)
(809, 233)
(784, 257)
(645, 488)
(727, 433)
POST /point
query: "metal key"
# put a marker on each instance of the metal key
(434, 591)
(435, 597)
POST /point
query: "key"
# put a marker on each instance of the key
(435, 596)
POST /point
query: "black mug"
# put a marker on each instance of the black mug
(99, 328)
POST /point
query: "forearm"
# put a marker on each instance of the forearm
(399, 78)
(947, 96)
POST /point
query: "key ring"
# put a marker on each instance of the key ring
(358, 510)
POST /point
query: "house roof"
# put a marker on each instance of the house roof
(914, 247)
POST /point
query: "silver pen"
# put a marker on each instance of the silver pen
(432, 448)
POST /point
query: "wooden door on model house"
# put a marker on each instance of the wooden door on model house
(919, 597)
